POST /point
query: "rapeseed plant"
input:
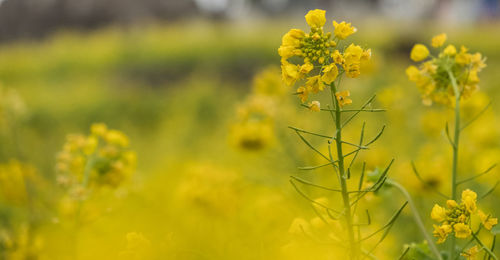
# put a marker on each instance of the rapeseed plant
(317, 61)
(448, 78)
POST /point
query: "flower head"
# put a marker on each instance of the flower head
(313, 58)
(461, 230)
(487, 221)
(438, 213)
(432, 76)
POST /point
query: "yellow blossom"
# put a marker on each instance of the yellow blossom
(342, 98)
(487, 220)
(450, 50)
(315, 84)
(314, 106)
(306, 68)
(451, 204)
(469, 200)
(337, 57)
(303, 93)
(330, 73)
(343, 30)
(442, 232)
(316, 18)
(289, 73)
(419, 52)
(461, 230)
(471, 254)
(413, 73)
(438, 213)
(438, 40)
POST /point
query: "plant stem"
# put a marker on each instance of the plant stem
(343, 175)
(456, 140)
(417, 218)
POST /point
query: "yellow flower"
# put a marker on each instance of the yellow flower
(450, 50)
(99, 129)
(419, 52)
(438, 40)
(342, 98)
(337, 57)
(343, 30)
(289, 72)
(441, 232)
(477, 61)
(314, 106)
(292, 38)
(487, 220)
(330, 73)
(469, 200)
(352, 60)
(316, 18)
(302, 92)
(461, 230)
(471, 253)
(451, 204)
(438, 213)
(315, 84)
(413, 73)
(306, 68)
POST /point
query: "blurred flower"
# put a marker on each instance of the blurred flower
(433, 76)
(102, 158)
(471, 253)
(314, 106)
(438, 40)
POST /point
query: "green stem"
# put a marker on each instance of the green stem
(491, 254)
(342, 175)
(417, 218)
(455, 146)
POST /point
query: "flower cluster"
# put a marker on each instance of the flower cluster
(435, 74)
(317, 57)
(102, 158)
(254, 128)
(457, 217)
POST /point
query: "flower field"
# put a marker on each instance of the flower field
(305, 138)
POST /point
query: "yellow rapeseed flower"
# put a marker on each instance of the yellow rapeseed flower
(419, 52)
(461, 230)
(438, 213)
(316, 18)
(471, 253)
(487, 220)
(441, 232)
(469, 200)
(314, 106)
(450, 50)
(303, 93)
(289, 73)
(343, 98)
(315, 84)
(330, 73)
(343, 29)
(438, 40)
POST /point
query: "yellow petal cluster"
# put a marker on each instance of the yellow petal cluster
(313, 59)
(456, 218)
(432, 76)
(101, 158)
